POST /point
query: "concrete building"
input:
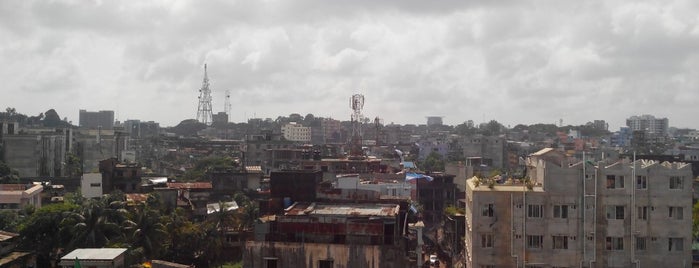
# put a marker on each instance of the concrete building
(648, 123)
(8, 128)
(434, 121)
(18, 196)
(491, 149)
(332, 130)
(125, 177)
(220, 118)
(91, 185)
(329, 235)
(94, 257)
(581, 214)
(296, 132)
(95, 120)
(34, 155)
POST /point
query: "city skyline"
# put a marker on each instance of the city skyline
(517, 62)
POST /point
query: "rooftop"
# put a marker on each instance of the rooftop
(94, 254)
(190, 185)
(382, 210)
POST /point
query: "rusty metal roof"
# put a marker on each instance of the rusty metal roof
(349, 210)
(133, 199)
(190, 185)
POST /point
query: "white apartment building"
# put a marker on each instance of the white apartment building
(648, 124)
(296, 132)
(582, 214)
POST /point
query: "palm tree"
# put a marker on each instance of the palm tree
(146, 232)
(93, 224)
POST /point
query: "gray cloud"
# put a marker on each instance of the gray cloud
(512, 61)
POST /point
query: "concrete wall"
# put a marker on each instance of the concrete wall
(309, 254)
(91, 185)
(586, 225)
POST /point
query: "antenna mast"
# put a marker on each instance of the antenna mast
(356, 103)
(204, 114)
(227, 104)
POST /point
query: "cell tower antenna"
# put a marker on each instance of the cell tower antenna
(227, 104)
(204, 114)
(357, 104)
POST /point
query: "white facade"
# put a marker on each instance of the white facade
(394, 189)
(91, 185)
(648, 123)
(296, 132)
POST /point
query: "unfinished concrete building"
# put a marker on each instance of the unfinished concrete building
(581, 214)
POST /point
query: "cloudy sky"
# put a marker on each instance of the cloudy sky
(512, 61)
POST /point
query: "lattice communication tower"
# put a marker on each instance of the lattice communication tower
(204, 114)
(356, 103)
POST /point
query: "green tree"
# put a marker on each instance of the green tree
(93, 225)
(42, 232)
(9, 220)
(185, 239)
(433, 162)
(146, 231)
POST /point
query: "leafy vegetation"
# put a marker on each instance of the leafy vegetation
(148, 230)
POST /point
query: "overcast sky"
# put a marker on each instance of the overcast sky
(512, 61)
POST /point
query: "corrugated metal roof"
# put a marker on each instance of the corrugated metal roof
(383, 210)
(4, 236)
(94, 254)
(253, 168)
(190, 185)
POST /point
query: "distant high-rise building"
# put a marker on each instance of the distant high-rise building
(648, 124)
(434, 121)
(94, 120)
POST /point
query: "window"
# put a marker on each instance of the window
(615, 212)
(641, 182)
(640, 243)
(676, 213)
(560, 211)
(642, 213)
(535, 211)
(488, 210)
(615, 182)
(535, 241)
(615, 243)
(560, 242)
(270, 262)
(675, 244)
(325, 263)
(96, 184)
(676, 182)
(486, 240)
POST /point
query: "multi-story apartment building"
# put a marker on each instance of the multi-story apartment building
(36, 154)
(296, 132)
(648, 124)
(491, 149)
(582, 214)
(94, 120)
